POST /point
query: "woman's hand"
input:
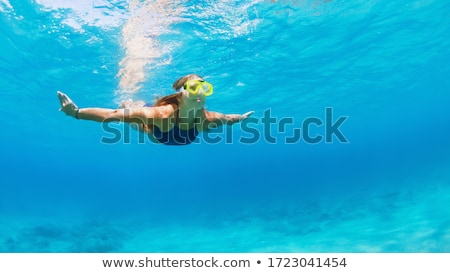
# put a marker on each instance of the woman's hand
(233, 118)
(246, 115)
(67, 105)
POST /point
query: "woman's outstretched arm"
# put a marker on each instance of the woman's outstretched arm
(138, 115)
(215, 119)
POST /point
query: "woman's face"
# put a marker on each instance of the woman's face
(195, 92)
(194, 100)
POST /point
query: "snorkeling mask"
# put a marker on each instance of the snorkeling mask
(194, 87)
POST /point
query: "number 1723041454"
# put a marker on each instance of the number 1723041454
(307, 262)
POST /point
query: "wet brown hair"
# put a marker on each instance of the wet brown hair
(175, 99)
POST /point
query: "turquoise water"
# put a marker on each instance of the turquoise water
(382, 64)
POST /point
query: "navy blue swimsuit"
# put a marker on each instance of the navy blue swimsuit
(175, 136)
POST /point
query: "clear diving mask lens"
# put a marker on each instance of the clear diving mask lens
(195, 86)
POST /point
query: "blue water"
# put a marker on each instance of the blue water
(382, 64)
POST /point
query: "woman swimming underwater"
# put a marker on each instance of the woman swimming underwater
(176, 119)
